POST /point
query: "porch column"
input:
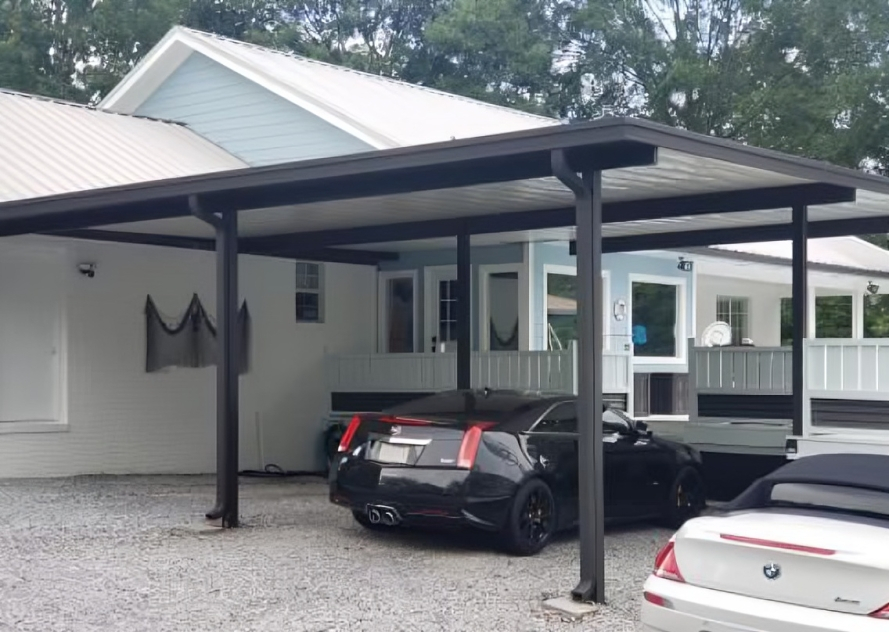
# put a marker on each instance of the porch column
(225, 224)
(858, 299)
(800, 313)
(464, 312)
(588, 208)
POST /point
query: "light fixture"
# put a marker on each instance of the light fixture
(872, 287)
(685, 266)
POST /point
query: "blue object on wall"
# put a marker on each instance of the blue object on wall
(640, 335)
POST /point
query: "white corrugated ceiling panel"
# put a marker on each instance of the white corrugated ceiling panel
(50, 147)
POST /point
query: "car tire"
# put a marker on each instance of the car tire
(532, 519)
(687, 498)
(362, 519)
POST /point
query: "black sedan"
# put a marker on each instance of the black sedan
(504, 462)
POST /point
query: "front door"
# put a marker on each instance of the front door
(441, 310)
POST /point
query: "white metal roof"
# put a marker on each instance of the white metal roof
(49, 147)
(848, 252)
(380, 111)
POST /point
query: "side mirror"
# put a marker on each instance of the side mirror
(642, 427)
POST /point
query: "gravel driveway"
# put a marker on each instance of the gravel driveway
(127, 554)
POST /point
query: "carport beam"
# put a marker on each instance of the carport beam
(800, 313)
(464, 312)
(226, 226)
(588, 204)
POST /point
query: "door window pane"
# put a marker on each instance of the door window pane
(447, 311)
(400, 315)
(735, 312)
(655, 308)
(503, 311)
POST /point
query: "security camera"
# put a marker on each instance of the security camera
(87, 269)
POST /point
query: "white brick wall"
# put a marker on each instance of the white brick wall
(123, 420)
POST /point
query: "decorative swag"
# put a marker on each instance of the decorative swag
(192, 341)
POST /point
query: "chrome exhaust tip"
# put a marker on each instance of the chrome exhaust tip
(389, 518)
(373, 515)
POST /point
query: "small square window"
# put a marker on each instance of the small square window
(309, 293)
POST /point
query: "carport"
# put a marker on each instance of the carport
(625, 184)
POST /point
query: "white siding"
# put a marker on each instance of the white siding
(123, 420)
(243, 118)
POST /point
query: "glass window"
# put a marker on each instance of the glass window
(735, 312)
(654, 319)
(503, 311)
(400, 315)
(876, 316)
(562, 418)
(309, 292)
(833, 317)
(447, 311)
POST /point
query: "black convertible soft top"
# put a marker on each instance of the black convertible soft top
(863, 471)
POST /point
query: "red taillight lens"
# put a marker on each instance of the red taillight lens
(657, 600)
(347, 437)
(784, 546)
(469, 447)
(665, 565)
(882, 613)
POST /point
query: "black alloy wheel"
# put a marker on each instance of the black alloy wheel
(532, 519)
(688, 498)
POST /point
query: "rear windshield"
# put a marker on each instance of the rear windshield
(459, 407)
(832, 497)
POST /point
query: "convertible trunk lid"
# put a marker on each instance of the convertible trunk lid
(816, 559)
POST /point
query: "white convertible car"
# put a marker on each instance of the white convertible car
(805, 549)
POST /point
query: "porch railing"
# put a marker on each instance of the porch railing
(741, 370)
(553, 371)
(848, 369)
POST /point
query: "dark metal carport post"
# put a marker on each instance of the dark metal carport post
(588, 203)
(464, 312)
(800, 313)
(226, 226)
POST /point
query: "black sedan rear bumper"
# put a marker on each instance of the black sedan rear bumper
(420, 496)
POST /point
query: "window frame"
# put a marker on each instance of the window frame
(566, 402)
(681, 332)
(746, 313)
(319, 292)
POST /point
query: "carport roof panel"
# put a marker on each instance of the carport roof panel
(458, 179)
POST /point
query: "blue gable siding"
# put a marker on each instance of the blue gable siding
(620, 268)
(243, 118)
(420, 260)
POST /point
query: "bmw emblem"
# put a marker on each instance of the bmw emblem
(771, 571)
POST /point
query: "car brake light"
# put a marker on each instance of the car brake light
(469, 447)
(771, 544)
(882, 613)
(665, 565)
(347, 437)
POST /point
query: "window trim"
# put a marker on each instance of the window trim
(320, 292)
(681, 332)
(747, 313)
(554, 268)
(383, 278)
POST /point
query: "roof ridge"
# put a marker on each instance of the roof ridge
(383, 78)
(84, 106)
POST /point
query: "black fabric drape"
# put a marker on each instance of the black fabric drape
(192, 341)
